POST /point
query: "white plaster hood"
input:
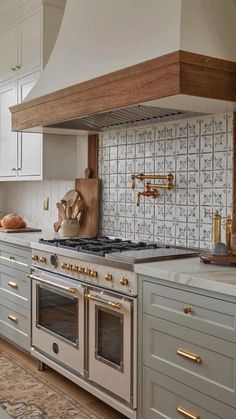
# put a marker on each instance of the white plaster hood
(100, 36)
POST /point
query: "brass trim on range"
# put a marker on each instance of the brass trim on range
(189, 355)
(13, 284)
(12, 318)
(151, 189)
(71, 290)
(101, 300)
(187, 413)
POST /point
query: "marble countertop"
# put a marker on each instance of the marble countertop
(194, 273)
(27, 239)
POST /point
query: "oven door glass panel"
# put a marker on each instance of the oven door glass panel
(58, 313)
(109, 337)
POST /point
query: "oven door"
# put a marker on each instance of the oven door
(58, 319)
(110, 342)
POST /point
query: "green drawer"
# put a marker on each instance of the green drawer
(14, 286)
(15, 257)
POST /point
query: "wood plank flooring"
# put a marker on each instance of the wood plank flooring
(92, 405)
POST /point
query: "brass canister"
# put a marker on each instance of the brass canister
(228, 232)
(216, 228)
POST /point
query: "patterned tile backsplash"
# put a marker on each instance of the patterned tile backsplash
(198, 152)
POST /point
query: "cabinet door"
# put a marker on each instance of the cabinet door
(8, 54)
(29, 144)
(8, 139)
(29, 44)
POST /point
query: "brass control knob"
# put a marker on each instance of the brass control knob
(81, 270)
(124, 281)
(93, 273)
(108, 277)
(187, 309)
(74, 268)
(43, 259)
(87, 272)
(63, 265)
(69, 267)
(35, 257)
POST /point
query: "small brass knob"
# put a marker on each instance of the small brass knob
(93, 273)
(124, 281)
(35, 257)
(13, 68)
(63, 265)
(13, 169)
(69, 267)
(18, 67)
(81, 270)
(87, 271)
(43, 259)
(108, 277)
(187, 309)
(74, 268)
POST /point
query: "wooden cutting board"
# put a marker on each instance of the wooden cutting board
(19, 230)
(89, 189)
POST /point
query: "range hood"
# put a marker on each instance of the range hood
(132, 62)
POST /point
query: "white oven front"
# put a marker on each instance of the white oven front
(111, 342)
(58, 319)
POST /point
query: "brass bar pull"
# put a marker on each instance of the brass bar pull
(13, 318)
(187, 309)
(101, 300)
(189, 355)
(187, 413)
(13, 284)
(12, 258)
(55, 285)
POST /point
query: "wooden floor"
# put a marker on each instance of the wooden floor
(93, 405)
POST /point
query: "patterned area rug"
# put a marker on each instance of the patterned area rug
(24, 395)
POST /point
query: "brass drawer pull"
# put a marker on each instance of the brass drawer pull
(12, 258)
(189, 355)
(13, 318)
(13, 284)
(187, 413)
(187, 309)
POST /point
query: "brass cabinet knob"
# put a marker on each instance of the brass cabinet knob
(187, 309)
(93, 273)
(13, 284)
(13, 169)
(87, 271)
(63, 265)
(124, 281)
(43, 259)
(108, 277)
(81, 270)
(12, 318)
(74, 268)
(35, 257)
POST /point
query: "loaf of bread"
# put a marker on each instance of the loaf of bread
(12, 221)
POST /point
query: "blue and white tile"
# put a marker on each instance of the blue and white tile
(170, 131)
(149, 165)
(193, 162)
(181, 213)
(220, 178)
(181, 180)
(193, 179)
(170, 229)
(220, 161)
(181, 231)
(139, 166)
(113, 153)
(193, 128)
(170, 164)
(206, 179)
(150, 134)
(140, 210)
(122, 152)
(113, 167)
(206, 215)
(220, 142)
(193, 145)
(149, 149)
(149, 210)
(205, 245)
(207, 126)
(130, 151)
(230, 141)
(140, 136)
(113, 209)
(148, 227)
(181, 146)
(122, 181)
(159, 212)
(219, 125)
(219, 197)
(130, 196)
(139, 225)
(206, 197)
(229, 179)
(122, 137)
(206, 161)
(121, 209)
(106, 194)
(205, 233)
(181, 163)
(159, 229)
(170, 147)
(169, 197)
(113, 138)
(181, 197)
(193, 214)
(193, 232)
(193, 197)
(122, 166)
(130, 209)
(229, 160)
(161, 132)
(181, 129)
(129, 225)
(230, 122)
(113, 195)
(170, 212)
(159, 165)
(140, 150)
(131, 136)
(130, 166)
(106, 153)
(121, 224)
(160, 148)
(206, 144)
(113, 181)
(121, 195)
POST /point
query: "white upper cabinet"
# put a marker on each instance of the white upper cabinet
(29, 44)
(8, 54)
(8, 139)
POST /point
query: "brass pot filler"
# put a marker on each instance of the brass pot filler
(151, 189)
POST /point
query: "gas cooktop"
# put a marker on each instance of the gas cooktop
(119, 249)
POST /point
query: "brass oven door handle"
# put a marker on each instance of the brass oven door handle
(13, 284)
(71, 290)
(12, 318)
(189, 355)
(112, 304)
(187, 413)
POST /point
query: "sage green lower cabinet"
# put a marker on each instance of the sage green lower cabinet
(15, 262)
(187, 352)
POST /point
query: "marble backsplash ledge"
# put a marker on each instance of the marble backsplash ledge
(198, 152)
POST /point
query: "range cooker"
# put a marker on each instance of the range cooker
(84, 312)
